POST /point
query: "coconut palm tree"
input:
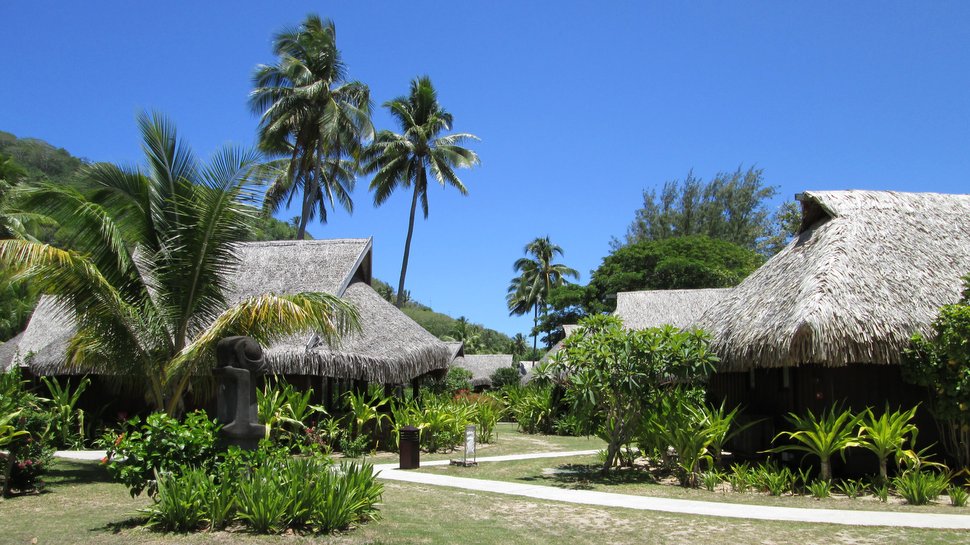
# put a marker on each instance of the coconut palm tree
(402, 160)
(537, 276)
(518, 345)
(310, 114)
(147, 269)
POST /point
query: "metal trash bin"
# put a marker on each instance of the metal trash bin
(410, 446)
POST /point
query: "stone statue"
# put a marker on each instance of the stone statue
(239, 362)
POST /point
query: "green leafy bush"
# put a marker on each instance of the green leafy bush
(741, 477)
(160, 445)
(853, 488)
(712, 478)
(941, 364)
(67, 421)
(268, 493)
(820, 489)
(958, 496)
(774, 480)
(182, 502)
(617, 376)
(531, 407)
(920, 487)
(505, 376)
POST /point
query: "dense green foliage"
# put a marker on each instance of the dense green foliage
(25, 435)
(619, 376)
(673, 263)
(403, 160)
(160, 444)
(941, 363)
(505, 376)
(41, 160)
(731, 207)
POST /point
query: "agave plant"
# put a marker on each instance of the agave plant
(825, 435)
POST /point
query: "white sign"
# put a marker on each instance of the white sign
(470, 442)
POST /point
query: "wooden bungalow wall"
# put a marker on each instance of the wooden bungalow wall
(767, 395)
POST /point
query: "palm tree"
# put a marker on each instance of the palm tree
(517, 345)
(310, 114)
(403, 160)
(537, 276)
(149, 264)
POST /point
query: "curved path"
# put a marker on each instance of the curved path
(690, 507)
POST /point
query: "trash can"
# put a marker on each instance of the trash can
(410, 446)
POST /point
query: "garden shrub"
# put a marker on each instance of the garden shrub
(268, 493)
(958, 496)
(920, 487)
(161, 444)
(24, 434)
(29, 455)
(505, 376)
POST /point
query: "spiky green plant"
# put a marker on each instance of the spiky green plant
(887, 434)
(150, 264)
(830, 433)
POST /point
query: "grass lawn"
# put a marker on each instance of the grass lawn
(582, 473)
(508, 440)
(81, 506)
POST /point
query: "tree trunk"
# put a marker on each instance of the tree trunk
(535, 329)
(826, 474)
(407, 249)
(883, 473)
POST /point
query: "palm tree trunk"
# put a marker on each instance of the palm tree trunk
(535, 329)
(407, 249)
(305, 212)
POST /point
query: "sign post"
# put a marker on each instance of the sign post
(469, 457)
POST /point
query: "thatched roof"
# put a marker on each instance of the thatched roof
(7, 352)
(391, 346)
(866, 271)
(654, 308)
(482, 366)
(568, 329)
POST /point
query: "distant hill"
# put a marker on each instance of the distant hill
(480, 339)
(40, 159)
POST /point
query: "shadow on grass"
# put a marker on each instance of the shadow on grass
(69, 472)
(586, 476)
(118, 527)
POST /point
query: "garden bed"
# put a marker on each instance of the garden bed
(583, 473)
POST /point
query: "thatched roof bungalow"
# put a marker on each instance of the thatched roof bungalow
(482, 366)
(826, 319)
(391, 348)
(866, 270)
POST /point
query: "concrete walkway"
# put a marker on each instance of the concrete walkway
(81, 454)
(669, 505)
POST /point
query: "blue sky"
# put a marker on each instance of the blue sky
(580, 106)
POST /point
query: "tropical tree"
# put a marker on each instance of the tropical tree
(538, 275)
(517, 346)
(148, 267)
(315, 118)
(402, 160)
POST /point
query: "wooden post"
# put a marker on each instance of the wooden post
(416, 389)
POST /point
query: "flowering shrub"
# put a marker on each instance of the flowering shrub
(31, 452)
(160, 444)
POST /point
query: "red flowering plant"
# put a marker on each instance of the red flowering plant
(30, 454)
